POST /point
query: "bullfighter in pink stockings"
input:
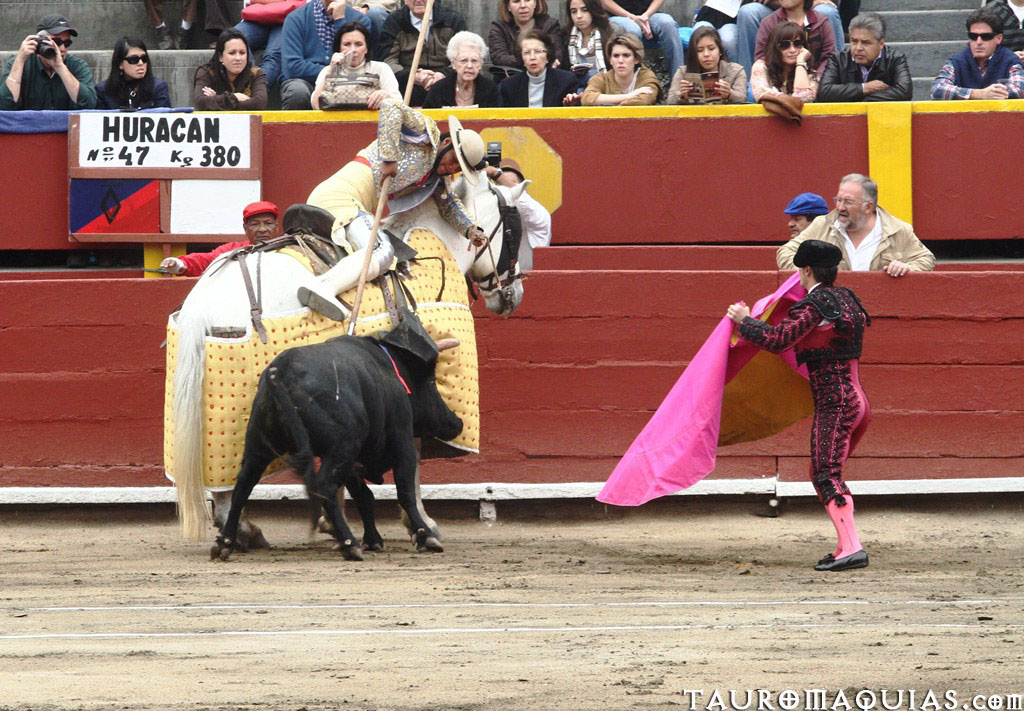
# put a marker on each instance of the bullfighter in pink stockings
(826, 329)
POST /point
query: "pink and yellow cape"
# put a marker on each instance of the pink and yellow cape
(731, 392)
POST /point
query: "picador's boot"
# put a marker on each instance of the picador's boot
(322, 297)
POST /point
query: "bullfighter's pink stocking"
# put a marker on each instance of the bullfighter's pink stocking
(842, 519)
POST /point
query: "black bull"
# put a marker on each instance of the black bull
(347, 400)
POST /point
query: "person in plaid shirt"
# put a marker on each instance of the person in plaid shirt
(984, 69)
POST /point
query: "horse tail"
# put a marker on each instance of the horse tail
(193, 324)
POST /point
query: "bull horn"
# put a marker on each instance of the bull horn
(446, 343)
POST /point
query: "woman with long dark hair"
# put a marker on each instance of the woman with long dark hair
(229, 81)
(788, 65)
(131, 85)
(705, 54)
(352, 49)
(587, 38)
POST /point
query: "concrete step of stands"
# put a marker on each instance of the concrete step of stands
(924, 25)
(902, 5)
(100, 22)
(176, 67)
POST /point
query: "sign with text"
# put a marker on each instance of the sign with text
(171, 145)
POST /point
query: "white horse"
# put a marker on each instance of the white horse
(220, 299)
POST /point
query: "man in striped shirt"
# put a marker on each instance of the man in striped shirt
(984, 69)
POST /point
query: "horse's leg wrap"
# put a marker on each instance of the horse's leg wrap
(345, 274)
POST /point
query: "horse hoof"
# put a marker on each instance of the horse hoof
(352, 553)
(430, 543)
(324, 526)
(220, 552)
(374, 547)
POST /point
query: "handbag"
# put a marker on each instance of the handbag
(347, 90)
(270, 13)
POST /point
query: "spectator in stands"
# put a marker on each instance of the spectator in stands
(229, 81)
(707, 54)
(725, 24)
(42, 75)
(515, 16)
(307, 41)
(788, 67)
(398, 39)
(587, 38)
(868, 70)
(351, 53)
(869, 237)
(536, 218)
(377, 11)
(1011, 12)
(641, 19)
(802, 209)
(464, 85)
(541, 84)
(628, 82)
(819, 35)
(218, 18)
(985, 69)
(264, 36)
(131, 85)
(756, 20)
(259, 221)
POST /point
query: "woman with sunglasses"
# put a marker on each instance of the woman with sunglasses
(131, 85)
(788, 66)
(229, 81)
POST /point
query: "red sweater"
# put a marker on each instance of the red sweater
(197, 262)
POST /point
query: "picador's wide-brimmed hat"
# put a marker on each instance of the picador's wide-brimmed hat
(469, 148)
(815, 253)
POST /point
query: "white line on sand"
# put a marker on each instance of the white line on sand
(471, 605)
(486, 630)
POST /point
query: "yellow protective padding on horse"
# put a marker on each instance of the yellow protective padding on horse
(234, 365)
(764, 398)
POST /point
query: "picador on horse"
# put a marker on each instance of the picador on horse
(440, 228)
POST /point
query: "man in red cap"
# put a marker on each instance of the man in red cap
(259, 220)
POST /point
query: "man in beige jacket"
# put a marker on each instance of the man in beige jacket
(869, 237)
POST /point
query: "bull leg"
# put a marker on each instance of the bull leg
(363, 497)
(405, 470)
(249, 536)
(326, 489)
(431, 524)
(248, 477)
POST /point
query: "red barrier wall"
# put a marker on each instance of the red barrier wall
(668, 179)
(566, 382)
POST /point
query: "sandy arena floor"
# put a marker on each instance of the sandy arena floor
(105, 608)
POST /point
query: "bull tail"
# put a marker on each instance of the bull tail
(188, 418)
(301, 458)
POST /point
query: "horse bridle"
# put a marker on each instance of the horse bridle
(511, 225)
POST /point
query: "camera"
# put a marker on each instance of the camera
(493, 157)
(44, 49)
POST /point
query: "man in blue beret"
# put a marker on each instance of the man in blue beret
(802, 210)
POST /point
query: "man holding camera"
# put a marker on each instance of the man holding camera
(43, 76)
